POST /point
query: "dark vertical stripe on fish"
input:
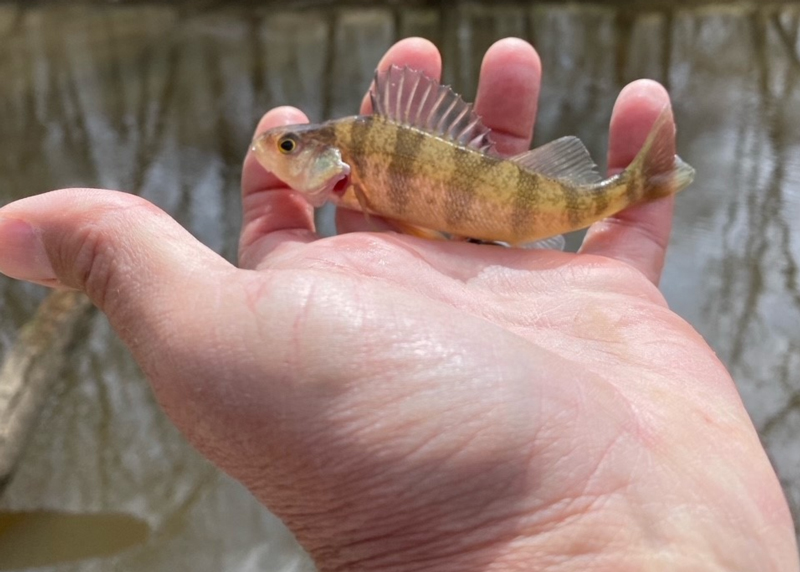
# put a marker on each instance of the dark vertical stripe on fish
(526, 202)
(359, 133)
(467, 169)
(599, 195)
(326, 134)
(407, 147)
(572, 198)
(633, 189)
(341, 136)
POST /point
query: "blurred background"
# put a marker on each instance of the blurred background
(160, 99)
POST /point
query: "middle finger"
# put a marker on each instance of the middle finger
(508, 94)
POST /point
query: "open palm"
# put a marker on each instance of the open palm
(405, 404)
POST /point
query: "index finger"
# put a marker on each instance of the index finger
(272, 213)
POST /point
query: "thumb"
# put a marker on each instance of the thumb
(128, 256)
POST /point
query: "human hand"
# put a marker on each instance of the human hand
(414, 405)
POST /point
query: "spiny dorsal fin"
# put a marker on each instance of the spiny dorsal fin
(410, 97)
(565, 159)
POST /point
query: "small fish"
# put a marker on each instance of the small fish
(425, 161)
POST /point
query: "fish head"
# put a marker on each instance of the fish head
(302, 157)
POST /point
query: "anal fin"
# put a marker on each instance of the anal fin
(557, 242)
(414, 230)
(553, 243)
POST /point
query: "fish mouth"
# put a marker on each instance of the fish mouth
(335, 187)
(341, 185)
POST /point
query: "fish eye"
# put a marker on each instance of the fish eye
(287, 144)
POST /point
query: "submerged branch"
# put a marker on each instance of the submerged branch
(30, 369)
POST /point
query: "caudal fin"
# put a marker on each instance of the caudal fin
(658, 169)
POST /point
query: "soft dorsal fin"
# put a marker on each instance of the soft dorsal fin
(410, 97)
(565, 159)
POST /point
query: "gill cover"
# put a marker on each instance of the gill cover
(323, 174)
(309, 166)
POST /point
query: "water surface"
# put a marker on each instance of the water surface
(161, 100)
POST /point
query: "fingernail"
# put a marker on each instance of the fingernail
(22, 254)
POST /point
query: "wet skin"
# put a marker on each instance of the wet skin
(405, 404)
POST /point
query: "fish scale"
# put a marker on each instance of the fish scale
(476, 192)
(425, 161)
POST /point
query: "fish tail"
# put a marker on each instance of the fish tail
(658, 171)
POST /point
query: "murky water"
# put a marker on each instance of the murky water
(161, 100)
(38, 539)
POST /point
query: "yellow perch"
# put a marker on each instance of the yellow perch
(425, 161)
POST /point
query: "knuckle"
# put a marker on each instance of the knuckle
(92, 257)
(94, 262)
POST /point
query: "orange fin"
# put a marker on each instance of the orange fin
(414, 230)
